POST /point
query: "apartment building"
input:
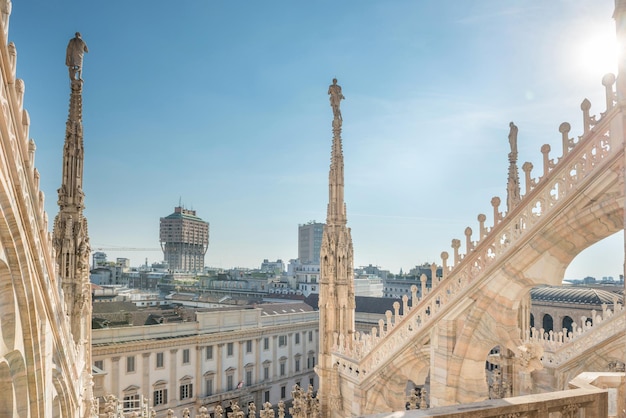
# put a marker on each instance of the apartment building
(245, 354)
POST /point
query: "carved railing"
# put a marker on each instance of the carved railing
(562, 346)
(305, 404)
(359, 354)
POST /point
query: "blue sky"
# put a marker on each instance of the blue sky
(223, 105)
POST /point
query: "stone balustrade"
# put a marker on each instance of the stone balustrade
(359, 354)
(564, 345)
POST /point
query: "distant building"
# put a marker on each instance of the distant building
(99, 259)
(310, 242)
(187, 358)
(184, 239)
(306, 275)
(277, 267)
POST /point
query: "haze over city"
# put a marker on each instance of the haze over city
(223, 107)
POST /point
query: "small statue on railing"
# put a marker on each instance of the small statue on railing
(251, 410)
(204, 412)
(281, 409)
(219, 411)
(268, 411)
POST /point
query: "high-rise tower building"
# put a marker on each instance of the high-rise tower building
(184, 239)
(336, 300)
(310, 242)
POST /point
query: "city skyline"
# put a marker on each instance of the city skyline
(225, 109)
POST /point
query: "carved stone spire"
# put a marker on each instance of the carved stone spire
(513, 187)
(336, 300)
(71, 240)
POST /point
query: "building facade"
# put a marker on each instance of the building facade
(250, 354)
(184, 239)
(310, 242)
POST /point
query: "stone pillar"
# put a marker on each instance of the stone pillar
(290, 359)
(441, 348)
(172, 389)
(257, 360)
(219, 376)
(197, 390)
(145, 374)
(240, 364)
(274, 355)
(115, 376)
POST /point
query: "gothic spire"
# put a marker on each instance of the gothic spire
(71, 240)
(336, 213)
(336, 300)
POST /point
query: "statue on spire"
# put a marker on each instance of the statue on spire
(74, 56)
(334, 90)
(513, 139)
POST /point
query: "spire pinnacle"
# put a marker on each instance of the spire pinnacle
(336, 206)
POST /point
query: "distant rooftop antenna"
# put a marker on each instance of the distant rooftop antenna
(180, 200)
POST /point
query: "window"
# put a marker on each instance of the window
(248, 377)
(209, 352)
(131, 402)
(267, 396)
(230, 348)
(99, 364)
(209, 387)
(160, 397)
(159, 360)
(266, 343)
(185, 356)
(130, 364)
(282, 368)
(297, 338)
(297, 365)
(282, 340)
(311, 380)
(186, 391)
(310, 335)
(229, 382)
(283, 390)
(249, 346)
(266, 373)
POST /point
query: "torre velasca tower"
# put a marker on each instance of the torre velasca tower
(184, 240)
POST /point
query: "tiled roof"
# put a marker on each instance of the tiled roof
(571, 294)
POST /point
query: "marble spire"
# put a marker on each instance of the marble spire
(336, 301)
(70, 237)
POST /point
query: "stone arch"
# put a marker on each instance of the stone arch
(62, 398)
(387, 390)
(22, 276)
(20, 384)
(6, 388)
(8, 321)
(547, 323)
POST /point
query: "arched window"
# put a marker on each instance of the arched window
(567, 323)
(548, 324)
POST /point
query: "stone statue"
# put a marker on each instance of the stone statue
(74, 56)
(334, 90)
(513, 138)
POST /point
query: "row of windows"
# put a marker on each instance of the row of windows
(186, 359)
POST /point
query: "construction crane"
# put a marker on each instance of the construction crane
(125, 249)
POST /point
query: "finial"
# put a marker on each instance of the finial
(334, 90)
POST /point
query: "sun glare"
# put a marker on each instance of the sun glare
(597, 52)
